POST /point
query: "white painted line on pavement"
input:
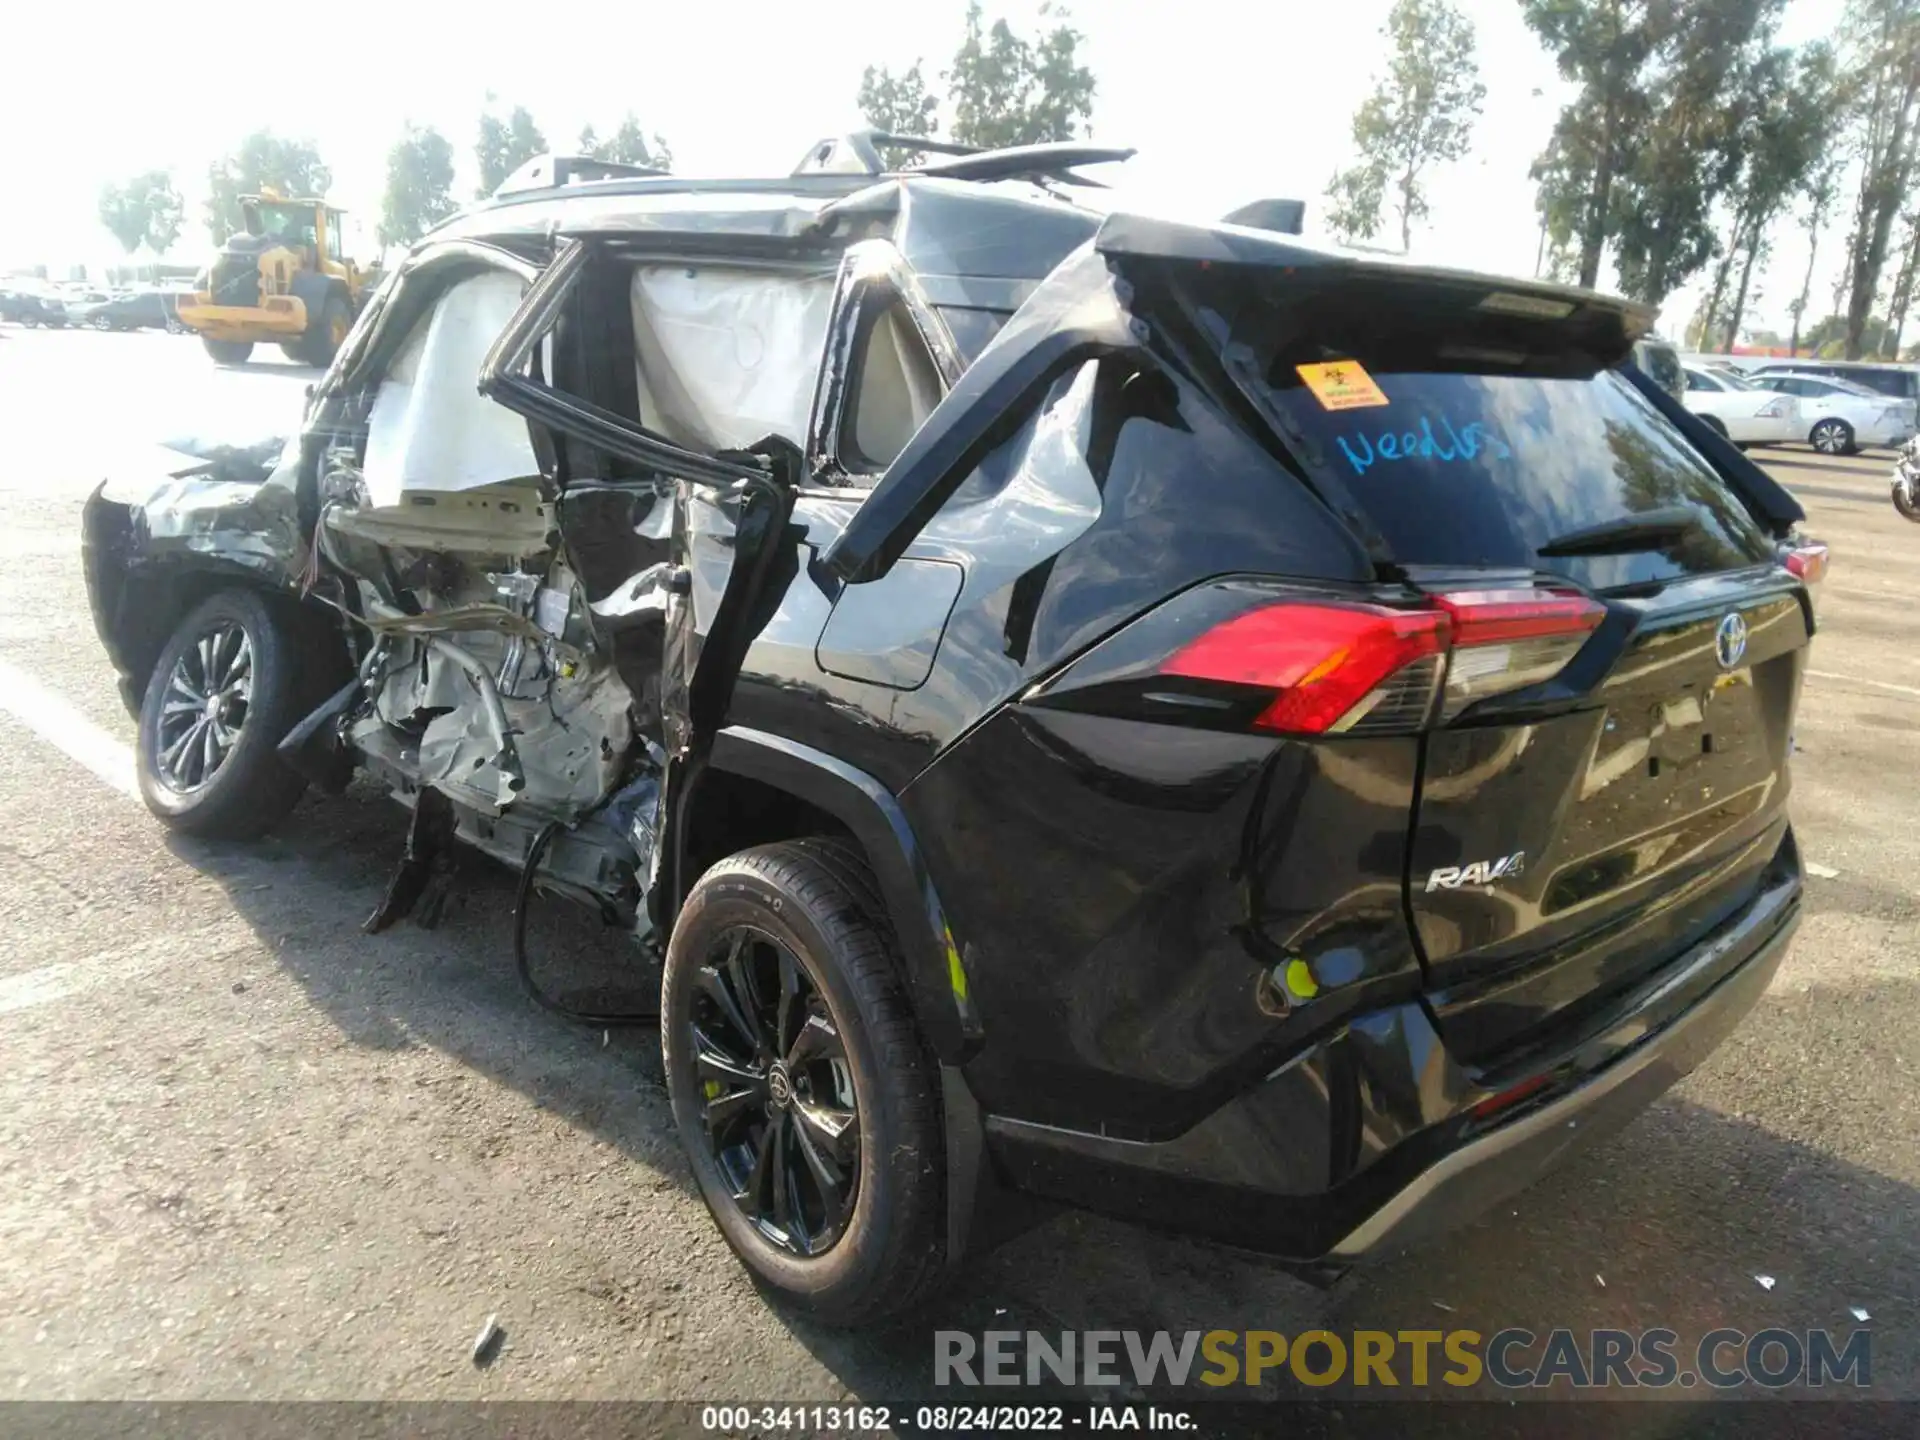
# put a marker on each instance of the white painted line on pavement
(56, 721)
(1913, 690)
(47, 983)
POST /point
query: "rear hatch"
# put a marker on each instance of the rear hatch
(1605, 765)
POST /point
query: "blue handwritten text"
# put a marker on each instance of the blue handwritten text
(1465, 443)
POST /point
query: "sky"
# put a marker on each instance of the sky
(1227, 101)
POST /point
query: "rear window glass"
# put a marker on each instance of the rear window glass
(1482, 452)
(1483, 469)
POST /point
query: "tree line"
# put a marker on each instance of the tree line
(147, 209)
(1004, 89)
(1692, 140)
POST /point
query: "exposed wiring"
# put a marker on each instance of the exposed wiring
(529, 874)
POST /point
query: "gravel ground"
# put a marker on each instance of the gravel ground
(248, 1152)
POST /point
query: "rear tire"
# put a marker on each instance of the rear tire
(1910, 508)
(322, 340)
(101, 323)
(810, 903)
(1715, 424)
(1832, 437)
(236, 675)
(228, 352)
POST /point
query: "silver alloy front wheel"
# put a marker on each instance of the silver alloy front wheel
(205, 707)
(1832, 437)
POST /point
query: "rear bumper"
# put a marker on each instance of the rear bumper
(1465, 1182)
(1236, 1176)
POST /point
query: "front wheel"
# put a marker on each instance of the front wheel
(101, 322)
(1831, 437)
(226, 689)
(800, 1086)
(228, 352)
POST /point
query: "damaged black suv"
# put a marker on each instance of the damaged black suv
(1242, 735)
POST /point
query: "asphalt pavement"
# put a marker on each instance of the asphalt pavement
(247, 1151)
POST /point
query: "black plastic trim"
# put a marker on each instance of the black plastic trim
(870, 811)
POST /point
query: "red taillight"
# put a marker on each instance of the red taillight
(1324, 660)
(1495, 617)
(1808, 561)
(1339, 668)
(1509, 639)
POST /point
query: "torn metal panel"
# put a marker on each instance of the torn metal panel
(559, 745)
(230, 503)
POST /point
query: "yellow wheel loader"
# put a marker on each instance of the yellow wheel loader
(283, 279)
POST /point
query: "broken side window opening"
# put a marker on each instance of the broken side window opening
(890, 360)
(487, 697)
(503, 378)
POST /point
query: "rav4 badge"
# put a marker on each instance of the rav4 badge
(1481, 872)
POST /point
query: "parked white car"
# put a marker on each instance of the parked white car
(1838, 417)
(1744, 413)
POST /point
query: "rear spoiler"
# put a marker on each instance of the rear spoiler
(1766, 499)
(1229, 243)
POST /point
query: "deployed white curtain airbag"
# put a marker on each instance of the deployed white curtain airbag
(727, 357)
(430, 429)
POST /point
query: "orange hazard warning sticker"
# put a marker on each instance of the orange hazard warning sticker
(1342, 385)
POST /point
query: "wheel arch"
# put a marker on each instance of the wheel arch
(793, 790)
(138, 599)
(796, 789)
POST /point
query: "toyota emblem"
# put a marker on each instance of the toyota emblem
(1730, 641)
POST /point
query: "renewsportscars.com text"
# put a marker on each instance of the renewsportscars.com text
(1511, 1358)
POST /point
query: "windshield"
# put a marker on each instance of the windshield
(289, 224)
(1457, 465)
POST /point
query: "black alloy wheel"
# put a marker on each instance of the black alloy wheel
(803, 1093)
(777, 1097)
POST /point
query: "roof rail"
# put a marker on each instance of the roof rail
(858, 153)
(543, 172)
